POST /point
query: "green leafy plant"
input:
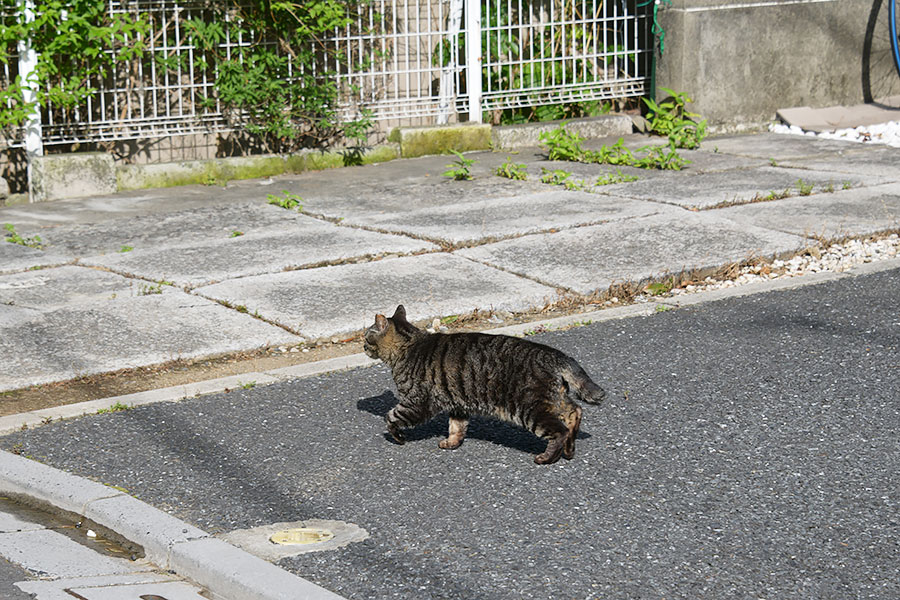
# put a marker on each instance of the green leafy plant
(286, 200)
(124, 249)
(459, 169)
(117, 407)
(803, 188)
(670, 118)
(15, 238)
(554, 176)
(236, 233)
(512, 170)
(565, 145)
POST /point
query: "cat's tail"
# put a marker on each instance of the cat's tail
(581, 384)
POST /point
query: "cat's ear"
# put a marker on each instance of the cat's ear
(380, 323)
(400, 313)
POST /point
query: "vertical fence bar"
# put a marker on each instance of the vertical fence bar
(473, 58)
(34, 145)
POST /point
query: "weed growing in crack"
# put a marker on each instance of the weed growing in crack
(459, 169)
(236, 233)
(565, 145)
(125, 249)
(117, 407)
(287, 200)
(512, 170)
(14, 238)
(803, 188)
(617, 177)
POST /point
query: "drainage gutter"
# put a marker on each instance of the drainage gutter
(169, 543)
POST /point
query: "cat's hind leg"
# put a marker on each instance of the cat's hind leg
(548, 426)
(572, 419)
(459, 423)
(405, 415)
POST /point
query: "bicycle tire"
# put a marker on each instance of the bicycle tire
(894, 24)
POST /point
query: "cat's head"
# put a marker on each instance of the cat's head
(389, 335)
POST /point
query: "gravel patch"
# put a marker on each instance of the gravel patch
(881, 133)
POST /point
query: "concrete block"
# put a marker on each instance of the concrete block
(528, 134)
(142, 524)
(233, 573)
(62, 176)
(441, 139)
(20, 476)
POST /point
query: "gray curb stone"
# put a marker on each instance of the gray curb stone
(168, 542)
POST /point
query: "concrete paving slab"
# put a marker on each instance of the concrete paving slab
(847, 212)
(590, 259)
(47, 553)
(168, 590)
(342, 300)
(499, 218)
(75, 341)
(15, 257)
(52, 288)
(56, 589)
(878, 161)
(209, 260)
(166, 227)
(733, 187)
(776, 146)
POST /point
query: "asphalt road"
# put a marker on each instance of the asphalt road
(748, 449)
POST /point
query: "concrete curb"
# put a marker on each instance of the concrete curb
(168, 542)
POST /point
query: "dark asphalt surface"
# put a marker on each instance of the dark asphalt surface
(748, 449)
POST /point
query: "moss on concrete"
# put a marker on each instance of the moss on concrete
(420, 141)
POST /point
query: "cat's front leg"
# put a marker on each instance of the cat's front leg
(459, 423)
(406, 414)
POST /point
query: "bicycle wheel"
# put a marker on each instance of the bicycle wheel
(894, 24)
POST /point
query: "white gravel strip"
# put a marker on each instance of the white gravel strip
(835, 258)
(881, 133)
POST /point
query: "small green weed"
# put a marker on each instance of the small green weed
(669, 118)
(659, 288)
(512, 170)
(15, 238)
(554, 176)
(617, 177)
(449, 319)
(805, 189)
(287, 200)
(124, 249)
(563, 144)
(117, 407)
(248, 386)
(663, 308)
(459, 169)
(149, 289)
(236, 233)
(846, 185)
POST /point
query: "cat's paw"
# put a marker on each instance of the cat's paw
(397, 435)
(449, 444)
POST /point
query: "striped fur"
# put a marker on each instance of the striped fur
(519, 381)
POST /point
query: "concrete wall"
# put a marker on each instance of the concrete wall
(741, 60)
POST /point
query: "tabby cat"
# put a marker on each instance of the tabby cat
(516, 380)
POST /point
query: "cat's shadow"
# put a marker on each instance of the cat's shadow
(480, 428)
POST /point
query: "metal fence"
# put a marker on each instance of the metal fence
(433, 59)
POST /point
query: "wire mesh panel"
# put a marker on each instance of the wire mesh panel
(397, 59)
(555, 51)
